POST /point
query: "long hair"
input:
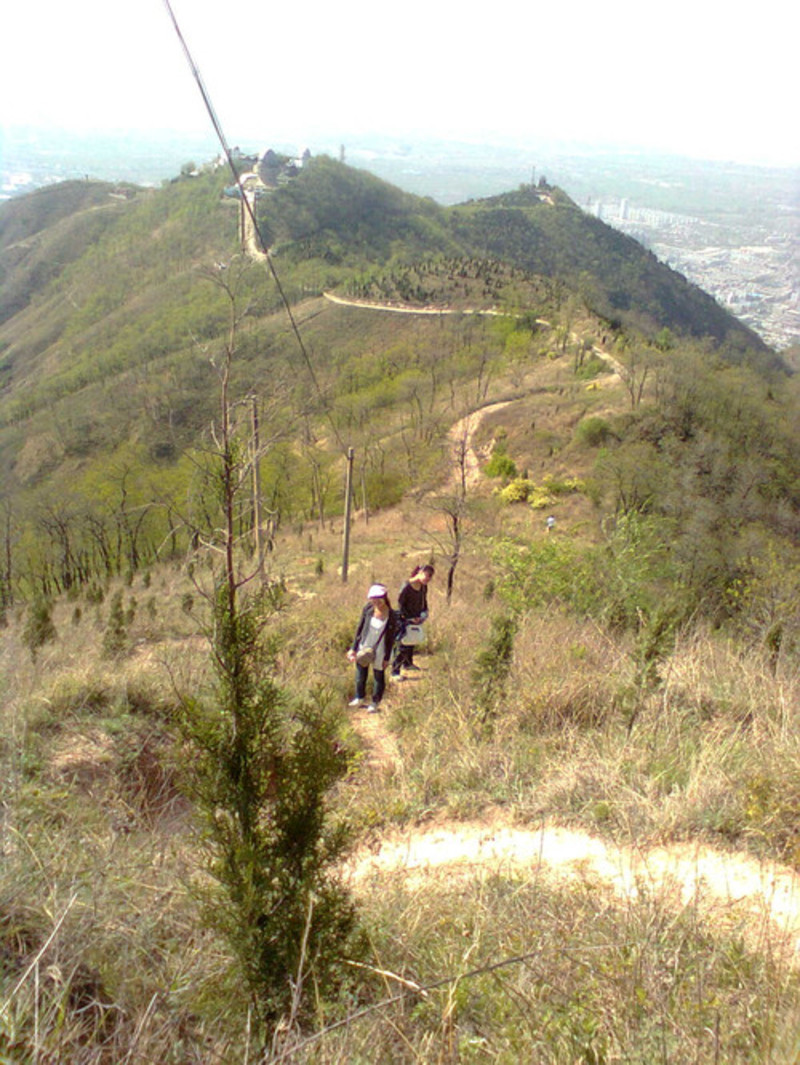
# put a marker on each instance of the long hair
(427, 568)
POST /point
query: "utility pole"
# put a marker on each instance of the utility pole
(364, 493)
(259, 547)
(348, 496)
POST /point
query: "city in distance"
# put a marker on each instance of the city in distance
(730, 228)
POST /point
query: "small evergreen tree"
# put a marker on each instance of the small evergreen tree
(39, 628)
(261, 775)
(116, 634)
(492, 666)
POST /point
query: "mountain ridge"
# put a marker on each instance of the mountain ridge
(111, 363)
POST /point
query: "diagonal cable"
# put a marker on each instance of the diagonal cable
(248, 206)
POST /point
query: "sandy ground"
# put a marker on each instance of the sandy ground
(462, 436)
(758, 900)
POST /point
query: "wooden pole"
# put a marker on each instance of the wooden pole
(348, 497)
(257, 542)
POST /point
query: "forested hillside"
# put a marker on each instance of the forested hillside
(120, 303)
(212, 850)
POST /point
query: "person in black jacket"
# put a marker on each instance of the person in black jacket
(413, 608)
(372, 645)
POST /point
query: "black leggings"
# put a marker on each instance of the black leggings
(403, 658)
(378, 683)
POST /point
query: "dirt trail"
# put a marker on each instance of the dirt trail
(614, 365)
(381, 748)
(462, 434)
(758, 900)
(396, 308)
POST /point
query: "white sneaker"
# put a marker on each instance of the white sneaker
(373, 709)
(354, 703)
(397, 677)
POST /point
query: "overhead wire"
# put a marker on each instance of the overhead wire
(248, 207)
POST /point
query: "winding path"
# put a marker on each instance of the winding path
(462, 435)
(758, 900)
(394, 308)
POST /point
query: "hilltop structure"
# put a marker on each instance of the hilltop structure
(268, 170)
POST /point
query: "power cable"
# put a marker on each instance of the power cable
(248, 206)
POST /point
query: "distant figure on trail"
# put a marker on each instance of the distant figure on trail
(372, 646)
(413, 608)
(550, 523)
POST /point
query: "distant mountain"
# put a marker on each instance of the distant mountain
(538, 229)
(124, 309)
(105, 291)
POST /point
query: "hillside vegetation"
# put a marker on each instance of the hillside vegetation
(107, 353)
(189, 806)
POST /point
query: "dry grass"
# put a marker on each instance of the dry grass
(504, 969)
(93, 908)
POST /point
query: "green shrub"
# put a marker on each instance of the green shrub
(39, 628)
(500, 465)
(541, 498)
(591, 368)
(621, 582)
(541, 574)
(561, 486)
(523, 490)
(593, 431)
(518, 491)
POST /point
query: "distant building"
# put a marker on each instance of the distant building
(274, 169)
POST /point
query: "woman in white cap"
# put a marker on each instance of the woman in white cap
(372, 646)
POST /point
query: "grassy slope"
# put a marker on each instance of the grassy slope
(96, 831)
(115, 287)
(92, 783)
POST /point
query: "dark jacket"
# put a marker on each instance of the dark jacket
(388, 636)
(413, 602)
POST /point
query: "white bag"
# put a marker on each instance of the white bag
(414, 634)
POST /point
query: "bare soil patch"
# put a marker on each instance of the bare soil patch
(758, 900)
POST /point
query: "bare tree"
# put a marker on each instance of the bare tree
(453, 505)
(634, 375)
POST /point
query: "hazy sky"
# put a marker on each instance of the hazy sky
(695, 77)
